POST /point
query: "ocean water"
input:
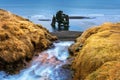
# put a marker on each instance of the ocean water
(99, 11)
(98, 17)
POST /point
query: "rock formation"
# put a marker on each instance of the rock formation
(19, 38)
(97, 53)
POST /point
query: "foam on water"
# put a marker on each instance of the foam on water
(47, 66)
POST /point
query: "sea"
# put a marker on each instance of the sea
(97, 16)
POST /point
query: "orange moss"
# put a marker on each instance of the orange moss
(99, 45)
(19, 38)
(108, 71)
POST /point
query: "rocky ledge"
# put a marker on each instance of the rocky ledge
(19, 39)
(97, 53)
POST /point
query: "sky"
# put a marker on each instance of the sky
(105, 4)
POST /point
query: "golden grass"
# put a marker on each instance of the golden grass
(108, 71)
(20, 37)
(100, 45)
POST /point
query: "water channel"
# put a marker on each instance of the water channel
(49, 65)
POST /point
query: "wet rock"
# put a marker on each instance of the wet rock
(65, 74)
(44, 59)
(68, 63)
(19, 38)
(100, 45)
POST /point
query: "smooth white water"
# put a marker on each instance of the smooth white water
(47, 66)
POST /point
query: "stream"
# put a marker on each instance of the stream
(47, 66)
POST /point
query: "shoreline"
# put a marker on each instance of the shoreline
(67, 35)
(70, 17)
(80, 17)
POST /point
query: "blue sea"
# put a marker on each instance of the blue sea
(99, 11)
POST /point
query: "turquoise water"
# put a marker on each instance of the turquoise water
(100, 16)
(101, 10)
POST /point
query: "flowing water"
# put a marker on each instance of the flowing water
(47, 66)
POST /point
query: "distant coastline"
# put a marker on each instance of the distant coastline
(70, 17)
(80, 17)
(44, 19)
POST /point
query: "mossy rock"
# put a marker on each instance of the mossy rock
(100, 45)
(19, 39)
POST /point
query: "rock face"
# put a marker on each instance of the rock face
(97, 53)
(19, 38)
